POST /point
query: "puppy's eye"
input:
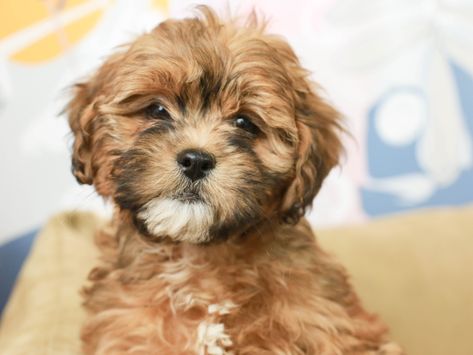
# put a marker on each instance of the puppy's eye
(157, 111)
(245, 123)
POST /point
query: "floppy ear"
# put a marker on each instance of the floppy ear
(319, 127)
(82, 113)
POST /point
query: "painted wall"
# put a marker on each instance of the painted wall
(400, 71)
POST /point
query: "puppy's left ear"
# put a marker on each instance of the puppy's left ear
(319, 128)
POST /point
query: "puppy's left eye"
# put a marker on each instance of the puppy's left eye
(157, 111)
(246, 124)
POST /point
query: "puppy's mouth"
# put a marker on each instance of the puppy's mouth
(188, 196)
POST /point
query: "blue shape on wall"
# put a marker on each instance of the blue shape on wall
(385, 161)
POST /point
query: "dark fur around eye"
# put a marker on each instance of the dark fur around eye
(157, 111)
(246, 124)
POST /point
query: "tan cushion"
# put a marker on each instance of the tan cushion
(415, 270)
(44, 315)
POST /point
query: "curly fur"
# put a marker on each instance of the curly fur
(239, 271)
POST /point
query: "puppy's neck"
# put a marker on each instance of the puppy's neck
(132, 242)
(126, 223)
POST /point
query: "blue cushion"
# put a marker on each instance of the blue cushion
(12, 256)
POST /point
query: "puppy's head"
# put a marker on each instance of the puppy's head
(202, 129)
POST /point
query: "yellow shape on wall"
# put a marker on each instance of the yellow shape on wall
(52, 45)
(17, 15)
(161, 5)
(21, 15)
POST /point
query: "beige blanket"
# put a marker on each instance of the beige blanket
(415, 270)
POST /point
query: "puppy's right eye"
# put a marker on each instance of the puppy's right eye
(157, 111)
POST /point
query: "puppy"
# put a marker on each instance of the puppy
(210, 141)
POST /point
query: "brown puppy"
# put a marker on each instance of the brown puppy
(211, 141)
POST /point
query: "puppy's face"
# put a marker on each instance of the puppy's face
(200, 130)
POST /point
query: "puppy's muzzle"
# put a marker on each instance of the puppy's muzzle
(195, 164)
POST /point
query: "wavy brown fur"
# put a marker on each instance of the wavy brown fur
(251, 283)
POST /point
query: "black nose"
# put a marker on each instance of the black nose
(195, 164)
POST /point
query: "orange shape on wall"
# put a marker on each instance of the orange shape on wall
(30, 13)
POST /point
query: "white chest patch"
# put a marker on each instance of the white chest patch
(222, 308)
(211, 337)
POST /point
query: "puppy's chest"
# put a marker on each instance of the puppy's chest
(189, 300)
(189, 281)
(196, 298)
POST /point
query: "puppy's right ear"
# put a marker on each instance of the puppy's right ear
(81, 113)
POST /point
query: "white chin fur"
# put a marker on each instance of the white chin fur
(181, 221)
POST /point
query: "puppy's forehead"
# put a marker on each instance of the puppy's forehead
(198, 67)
